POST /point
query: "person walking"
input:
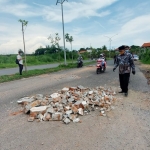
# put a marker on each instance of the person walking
(20, 60)
(125, 63)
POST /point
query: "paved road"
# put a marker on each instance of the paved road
(16, 70)
(127, 127)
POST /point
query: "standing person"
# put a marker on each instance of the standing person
(125, 63)
(115, 56)
(20, 59)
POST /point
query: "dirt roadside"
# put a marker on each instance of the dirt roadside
(145, 69)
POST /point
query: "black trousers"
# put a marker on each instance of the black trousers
(124, 81)
(20, 68)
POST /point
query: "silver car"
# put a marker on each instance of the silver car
(135, 57)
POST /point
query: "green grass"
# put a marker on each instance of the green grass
(36, 72)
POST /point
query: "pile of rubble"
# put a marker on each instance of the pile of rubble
(68, 104)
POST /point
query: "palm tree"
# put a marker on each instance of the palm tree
(69, 39)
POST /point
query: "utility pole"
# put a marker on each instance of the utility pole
(24, 23)
(61, 2)
(110, 39)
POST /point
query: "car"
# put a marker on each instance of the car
(135, 57)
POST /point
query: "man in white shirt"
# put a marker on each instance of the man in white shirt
(19, 57)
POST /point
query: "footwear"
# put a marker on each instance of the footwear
(126, 94)
(121, 92)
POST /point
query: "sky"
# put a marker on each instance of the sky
(92, 23)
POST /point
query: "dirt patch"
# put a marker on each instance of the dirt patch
(16, 113)
(145, 69)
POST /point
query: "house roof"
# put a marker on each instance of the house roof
(82, 51)
(146, 45)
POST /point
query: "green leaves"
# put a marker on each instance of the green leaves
(23, 22)
(68, 38)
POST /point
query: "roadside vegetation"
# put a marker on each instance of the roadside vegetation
(36, 72)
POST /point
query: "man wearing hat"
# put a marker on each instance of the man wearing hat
(125, 63)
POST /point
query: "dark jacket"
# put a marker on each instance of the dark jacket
(125, 63)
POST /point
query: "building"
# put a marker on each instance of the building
(146, 45)
(81, 51)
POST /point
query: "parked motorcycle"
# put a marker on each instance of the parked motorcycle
(79, 63)
(100, 66)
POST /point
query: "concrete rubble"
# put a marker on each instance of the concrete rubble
(68, 104)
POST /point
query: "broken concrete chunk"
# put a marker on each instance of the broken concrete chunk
(57, 116)
(40, 117)
(27, 108)
(81, 87)
(90, 92)
(80, 111)
(74, 109)
(76, 120)
(30, 119)
(26, 99)
(50, 110)
(68, 112)
(72, 88)
(39, 96)
(38, 109)
(70, 100)
(55, 95)
(65, 89)
(66, 120)
(47, 116)
(72, 116)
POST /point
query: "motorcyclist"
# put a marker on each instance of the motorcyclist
(80, 59)
(102, 59)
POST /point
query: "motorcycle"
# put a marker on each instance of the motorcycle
(79, 63)
(100, 66)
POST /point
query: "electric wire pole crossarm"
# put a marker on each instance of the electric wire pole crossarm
(61, 2)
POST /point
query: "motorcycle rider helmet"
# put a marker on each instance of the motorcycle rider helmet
(101, 55)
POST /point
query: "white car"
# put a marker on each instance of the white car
(135, 57)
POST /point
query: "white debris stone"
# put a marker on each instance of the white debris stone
(38, 109)
(68, 112)
(50, 110)
(26, 99)
(90, 92)
(65, 89)
(57, 116)
(55, 95)
(80, 111)
(76, 120)
(66, 120)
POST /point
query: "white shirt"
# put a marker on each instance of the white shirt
(20, 59)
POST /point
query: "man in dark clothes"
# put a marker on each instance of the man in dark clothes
(125, 63)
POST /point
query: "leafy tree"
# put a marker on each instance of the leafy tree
(70, 40)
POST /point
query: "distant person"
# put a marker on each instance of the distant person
(20, 60)
(125, 63)
(115, 57)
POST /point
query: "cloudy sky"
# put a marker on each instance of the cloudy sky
(88, 21)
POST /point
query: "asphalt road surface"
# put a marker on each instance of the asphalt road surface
(127, 127)
(10, 71)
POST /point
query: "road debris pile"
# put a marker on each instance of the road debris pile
(68, 104)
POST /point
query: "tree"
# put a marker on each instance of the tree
(69, 39)
(24, 23)
(55, 42)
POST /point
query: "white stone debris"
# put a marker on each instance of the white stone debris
(68, 104)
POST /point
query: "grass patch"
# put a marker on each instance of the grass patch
(36, 72)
